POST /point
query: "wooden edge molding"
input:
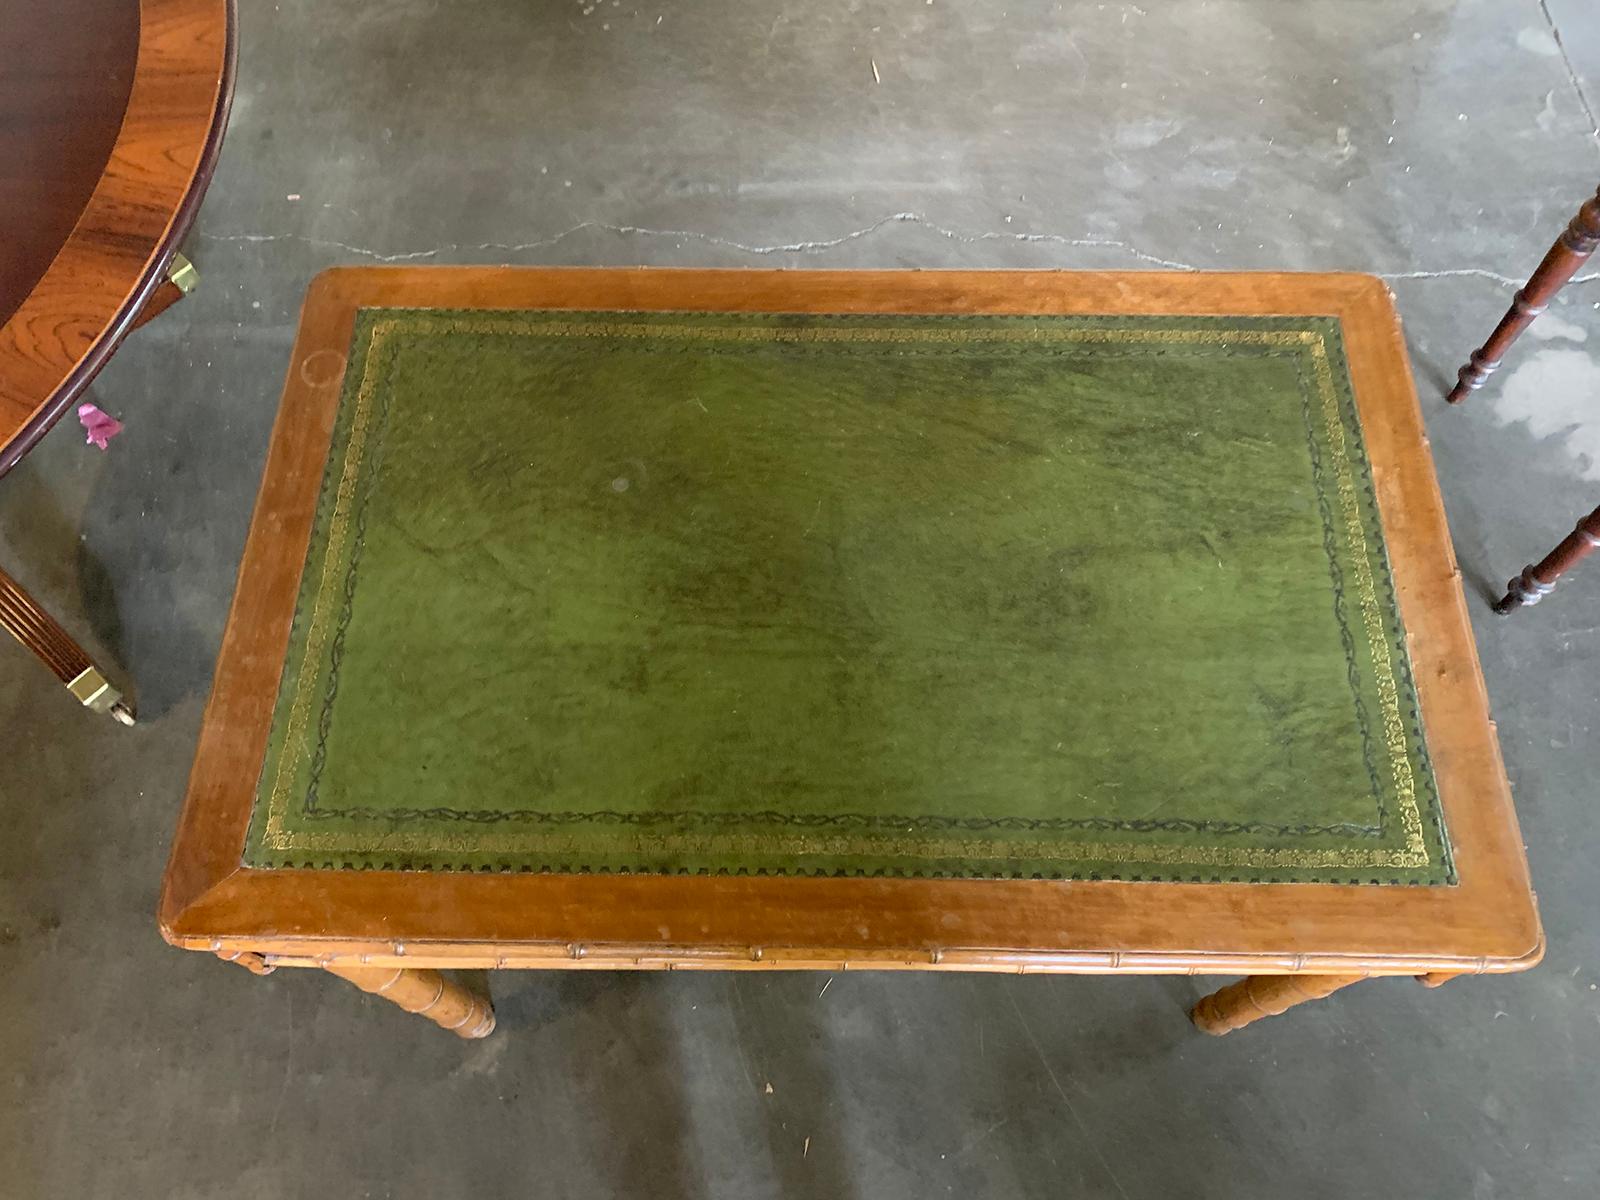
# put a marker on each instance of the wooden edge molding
(587, 956)
(117, 253)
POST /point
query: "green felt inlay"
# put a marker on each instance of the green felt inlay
(1096, 597)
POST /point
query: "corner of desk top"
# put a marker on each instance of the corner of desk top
(340, 284)
(1534, 956)
(186, 890)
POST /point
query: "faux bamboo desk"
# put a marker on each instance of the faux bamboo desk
(1011, 621)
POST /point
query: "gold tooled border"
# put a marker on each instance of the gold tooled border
(293, 748)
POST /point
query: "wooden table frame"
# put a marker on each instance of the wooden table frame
(390, 931)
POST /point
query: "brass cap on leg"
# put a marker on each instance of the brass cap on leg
(96, 694)
(180, 271)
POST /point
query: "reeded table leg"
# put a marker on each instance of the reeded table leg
(21, 616)
(1539, 580)
(1257, 996)
(427, 993)
(1563, 261)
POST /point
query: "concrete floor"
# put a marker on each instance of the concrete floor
(1440, 143)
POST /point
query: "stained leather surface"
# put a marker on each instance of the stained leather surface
(1074, 597)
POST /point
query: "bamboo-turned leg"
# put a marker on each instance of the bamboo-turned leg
(427, 993)
(180, 281)
(252, 962)
(1435, 979)
(1539, 580)
(21, 616)
(1565, 257)
(1257, 996)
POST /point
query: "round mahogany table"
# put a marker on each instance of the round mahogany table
(111, 119)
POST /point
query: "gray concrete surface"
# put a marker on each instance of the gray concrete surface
(1440, 143)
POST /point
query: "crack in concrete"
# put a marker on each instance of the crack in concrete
(1479, 273)
(1572, 74)
(819, 245)
(326, 242)
(803, 247)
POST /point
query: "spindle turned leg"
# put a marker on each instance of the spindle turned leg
(21, 616)
(1257, 996)
(427, 993)
(1565, 257)
(1539, 580)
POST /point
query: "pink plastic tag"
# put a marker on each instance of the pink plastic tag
(101, 427)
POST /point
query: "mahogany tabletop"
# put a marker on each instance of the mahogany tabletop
(713, 618)
(111, 119)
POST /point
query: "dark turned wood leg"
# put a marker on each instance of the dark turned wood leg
(163, 298)
(21, 616)
(1539, 580)
(180, 281)
(1240, 1004)
(1563, 261)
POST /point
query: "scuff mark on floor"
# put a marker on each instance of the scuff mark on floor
(1556, 393)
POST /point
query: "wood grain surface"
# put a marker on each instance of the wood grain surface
(1488, 922)
(60, 334)
(68, 68)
